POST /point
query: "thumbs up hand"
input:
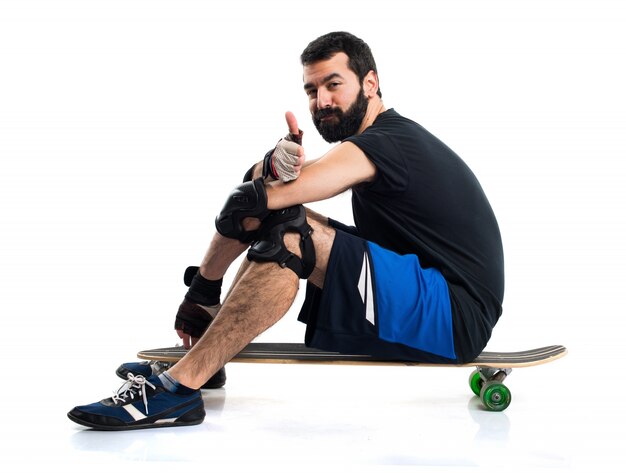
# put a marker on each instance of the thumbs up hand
(285, 161)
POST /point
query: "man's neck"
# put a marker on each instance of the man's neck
(375, 108)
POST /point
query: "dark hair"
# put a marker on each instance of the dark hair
(360, 58)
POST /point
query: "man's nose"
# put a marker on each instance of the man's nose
(324, 99)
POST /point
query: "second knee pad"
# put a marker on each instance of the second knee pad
(270, 245)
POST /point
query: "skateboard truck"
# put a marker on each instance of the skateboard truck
(486, 383)
(494, 374)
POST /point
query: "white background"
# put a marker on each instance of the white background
(124, 124)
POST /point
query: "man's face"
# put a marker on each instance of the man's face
(336, 99)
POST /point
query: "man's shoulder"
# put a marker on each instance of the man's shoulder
(391, 116)
(389, 129)
(390, 123)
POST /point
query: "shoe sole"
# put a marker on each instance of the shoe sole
(213, 386)
(133, 426)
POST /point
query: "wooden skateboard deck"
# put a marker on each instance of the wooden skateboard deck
(486, 380)
(299, 353)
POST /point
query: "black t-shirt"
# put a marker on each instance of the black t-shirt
(426, 201)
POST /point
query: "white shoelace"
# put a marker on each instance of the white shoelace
(133, 386)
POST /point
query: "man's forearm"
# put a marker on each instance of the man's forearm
(337, 171)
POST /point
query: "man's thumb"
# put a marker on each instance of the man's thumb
(292, 123)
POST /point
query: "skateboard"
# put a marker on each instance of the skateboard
(486, 381)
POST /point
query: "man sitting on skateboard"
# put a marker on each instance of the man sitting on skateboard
(419, 277)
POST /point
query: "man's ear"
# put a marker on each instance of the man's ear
(370, 84)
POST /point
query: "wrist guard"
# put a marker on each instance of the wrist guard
(190, 272)
(268, 169)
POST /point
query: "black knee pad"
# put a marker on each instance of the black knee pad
(270, 245)
(248, 199)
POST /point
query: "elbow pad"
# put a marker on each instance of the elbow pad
(248, 199)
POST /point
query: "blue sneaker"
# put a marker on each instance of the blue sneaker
(148, 368)
(142, 403)
(143, 368)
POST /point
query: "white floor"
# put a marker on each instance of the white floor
(331, 418)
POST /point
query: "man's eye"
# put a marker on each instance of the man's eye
(312, 94)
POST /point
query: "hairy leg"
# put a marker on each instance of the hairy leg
(220, 255)
(259, 298)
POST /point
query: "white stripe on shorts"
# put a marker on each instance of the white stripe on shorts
(366, 290)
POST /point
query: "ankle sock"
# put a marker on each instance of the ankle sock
(174, 386)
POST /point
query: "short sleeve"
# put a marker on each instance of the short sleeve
(391, 169)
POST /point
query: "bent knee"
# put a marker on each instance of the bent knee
(275, 241)
(323, 238)
(296, 241)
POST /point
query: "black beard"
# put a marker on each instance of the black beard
(347, 123)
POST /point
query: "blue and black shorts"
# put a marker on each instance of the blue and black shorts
(379, 303)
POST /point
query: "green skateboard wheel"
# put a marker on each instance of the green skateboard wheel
(476, 382)
(495, 396)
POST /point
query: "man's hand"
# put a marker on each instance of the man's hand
(192, 321)
(287, 159)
